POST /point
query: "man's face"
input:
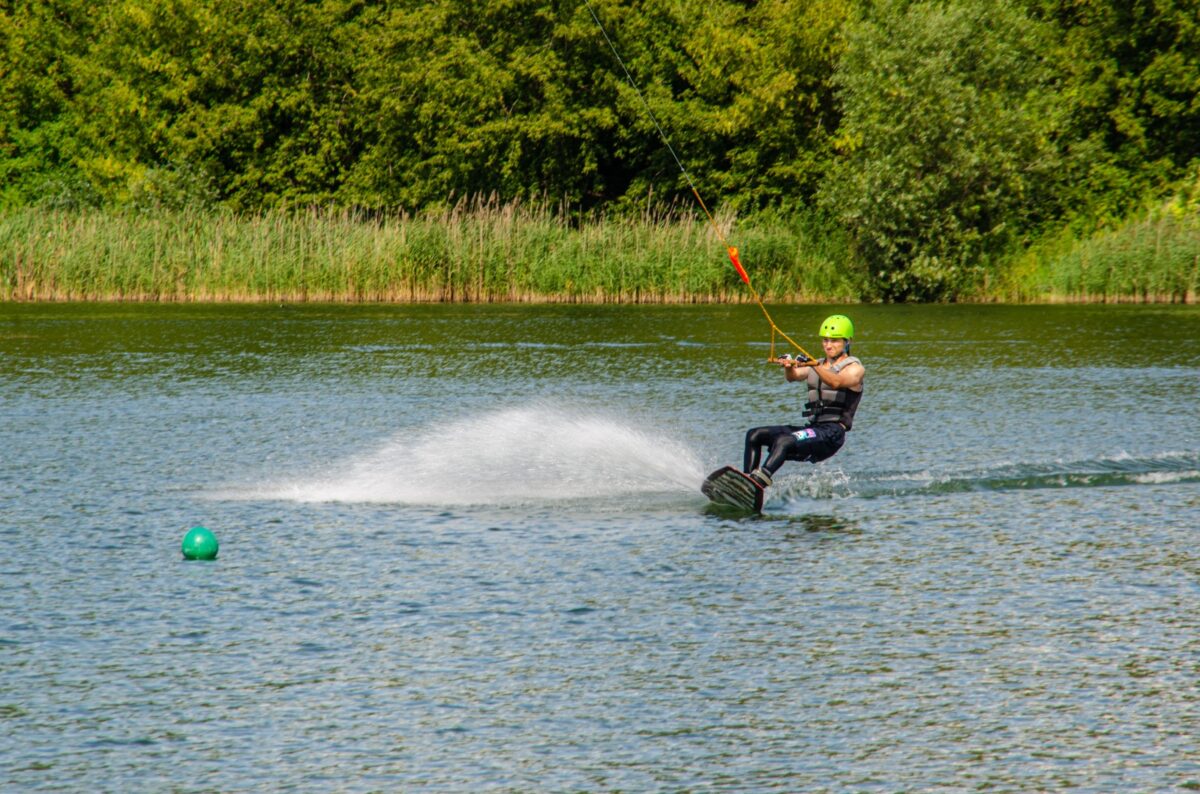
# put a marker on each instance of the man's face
(833, 347)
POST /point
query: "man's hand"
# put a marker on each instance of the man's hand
(788, 361)
(794, 369)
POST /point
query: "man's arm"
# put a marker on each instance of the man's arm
(849, 378)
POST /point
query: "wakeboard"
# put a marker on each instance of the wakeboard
(728, 486)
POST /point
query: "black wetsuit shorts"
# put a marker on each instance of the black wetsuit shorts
(813, 443)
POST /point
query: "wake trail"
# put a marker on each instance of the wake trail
(1119, 470)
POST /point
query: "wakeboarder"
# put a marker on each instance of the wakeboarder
(835, 386)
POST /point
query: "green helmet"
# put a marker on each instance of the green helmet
(837, 326)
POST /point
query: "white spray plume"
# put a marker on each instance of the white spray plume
(509, 456)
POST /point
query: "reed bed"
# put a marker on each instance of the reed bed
(1153, 258)
(477, 251)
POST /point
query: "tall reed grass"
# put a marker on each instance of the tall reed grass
(477, 251)
(1153, 257)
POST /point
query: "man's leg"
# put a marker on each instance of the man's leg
(756, 439)
(813, 444)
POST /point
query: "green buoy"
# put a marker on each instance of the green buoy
(199, 544)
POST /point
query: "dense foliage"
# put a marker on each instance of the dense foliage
(937, 136)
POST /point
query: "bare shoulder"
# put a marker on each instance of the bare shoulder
(853, 374)
(854, 365)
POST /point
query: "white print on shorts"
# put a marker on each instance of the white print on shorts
(807, 432)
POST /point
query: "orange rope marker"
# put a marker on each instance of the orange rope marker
(737, 265)
(732, 251)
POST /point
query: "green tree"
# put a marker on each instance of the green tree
(461, 99)
(765, 74)
(1130, 77)
(168, 102)
(41, 46)
(257, 98)
(524, 98)
(178, 101)
(742, 90)
(948, 142)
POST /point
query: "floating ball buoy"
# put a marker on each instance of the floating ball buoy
(199, 544)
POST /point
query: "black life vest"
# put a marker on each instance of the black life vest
(827, 404)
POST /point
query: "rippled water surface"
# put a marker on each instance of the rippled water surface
(463, 549)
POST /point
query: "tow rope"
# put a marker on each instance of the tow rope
(730, 249)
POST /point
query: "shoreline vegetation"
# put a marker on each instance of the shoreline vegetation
(924, 151)
(488, 251)
(856, 151)
(483, 251)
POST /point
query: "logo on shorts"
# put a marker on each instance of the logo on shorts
(807, 432)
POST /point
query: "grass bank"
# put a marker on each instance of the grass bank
(516, 252)
(479, 252)
(1153, 257)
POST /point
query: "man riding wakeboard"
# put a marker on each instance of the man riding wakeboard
(835, 385)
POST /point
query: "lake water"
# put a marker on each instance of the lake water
(463, 549)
